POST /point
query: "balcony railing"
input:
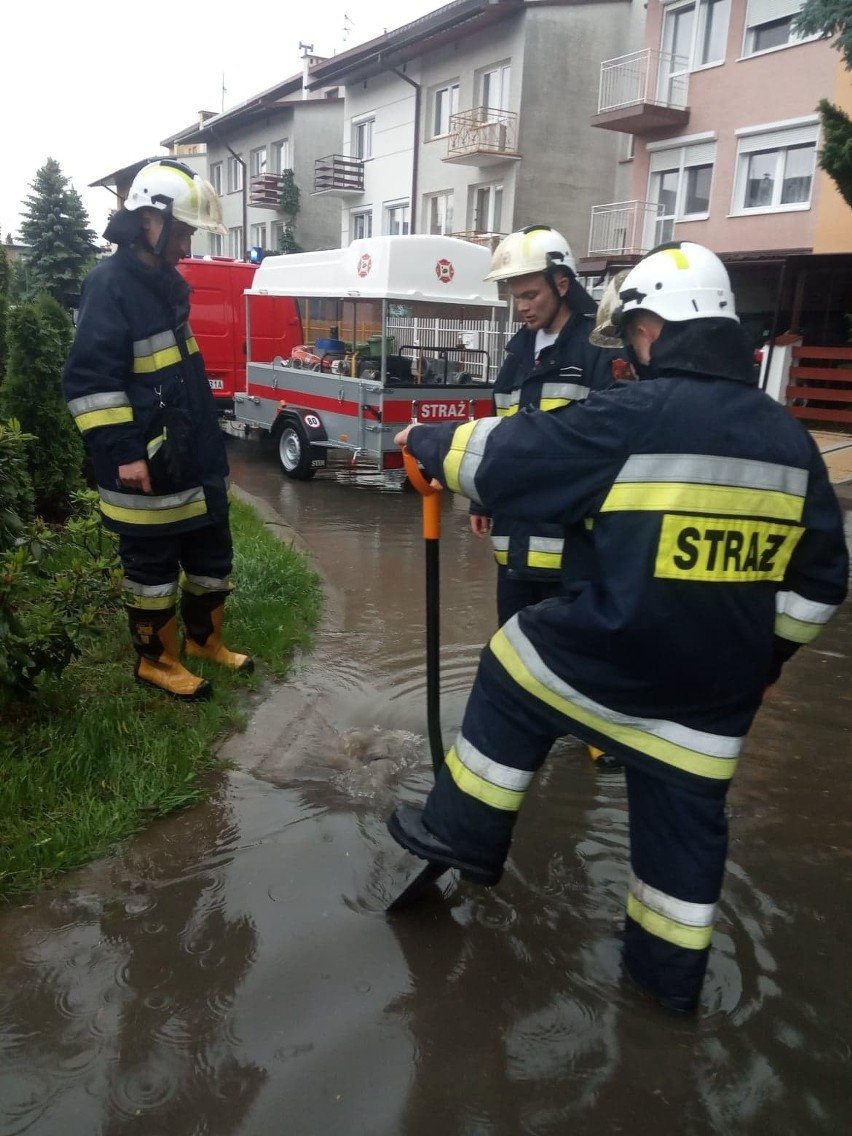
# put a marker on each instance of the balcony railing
(646, 90)
(489, 240)
(339, 175)
(623, 227)
(483, 136)
(265, 190)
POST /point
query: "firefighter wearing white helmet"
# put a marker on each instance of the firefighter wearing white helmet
(550, 362)
(137, 388)
(715, 550)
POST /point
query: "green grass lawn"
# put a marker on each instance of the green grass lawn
(94, 756)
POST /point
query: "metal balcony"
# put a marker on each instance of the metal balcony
(642, 92)
(265, 190)
(339, 175)
(483, 136)
(624, 228)
(488, 240)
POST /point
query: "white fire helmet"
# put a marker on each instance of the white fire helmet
(677, 281)
(537, 248)
(173, 188)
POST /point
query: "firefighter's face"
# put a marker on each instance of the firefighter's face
(641, 332)
(535, 301)
(179, 243)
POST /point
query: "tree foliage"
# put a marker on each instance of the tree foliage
(4, 304)
(832, 17)
(290, 204)
(56, 230)
(38, 337)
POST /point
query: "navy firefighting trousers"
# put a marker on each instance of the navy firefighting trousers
(152, 564)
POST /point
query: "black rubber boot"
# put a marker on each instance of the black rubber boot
(406, 826)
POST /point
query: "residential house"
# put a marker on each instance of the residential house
(473, 120)
(250, 147)
(721, 106)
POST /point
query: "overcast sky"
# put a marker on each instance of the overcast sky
(97, 83)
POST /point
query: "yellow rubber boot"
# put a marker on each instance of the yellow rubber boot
(202, 617)
(154, 635)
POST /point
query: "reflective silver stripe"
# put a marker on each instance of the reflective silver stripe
(570, 371)
(553, 545)
(159, 342)
(680, 910)
(721, 746)
(89, 402)
(500, 543)
(207, 583)
(503, 776)
(147, 502)
(461, 466)
(151, 591)
(505, 401)
(569, 391)
(705, 469)
(803, 610)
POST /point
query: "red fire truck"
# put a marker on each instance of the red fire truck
(348, 385)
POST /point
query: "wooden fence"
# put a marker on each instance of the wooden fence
(820, 386)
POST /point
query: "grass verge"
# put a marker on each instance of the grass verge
(94, 756)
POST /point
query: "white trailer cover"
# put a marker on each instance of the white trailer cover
(406, 269)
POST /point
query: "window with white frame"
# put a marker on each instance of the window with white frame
(493, 85)
(445, 102)
(257, 161)
(679, 181)
(439, 213)
(775, 168)
(769, 24)
(486, 208)
(361, 224)
(362, 139)
(258, 236)
(235, 243)
(235, 174)
(217, 246)
(279, 156)
(216, 177)
(694, 35)
(397, 219)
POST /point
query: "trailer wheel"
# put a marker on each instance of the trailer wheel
(294, 452)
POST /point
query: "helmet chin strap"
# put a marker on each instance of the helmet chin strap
(159, 247)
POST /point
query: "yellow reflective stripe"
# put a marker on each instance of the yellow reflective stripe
(615, 726)
(723, 550)
(456, 454)
(155, 444)
(145, 364)
(796, 630)
(686, 497)
(191, 345)
(154, 516)
(501, 557)
(552, 403)
(509, 800)
(544, 560)
(507, 411)
(94, 418)
(201, 585)
(692, 938)
(149, 603)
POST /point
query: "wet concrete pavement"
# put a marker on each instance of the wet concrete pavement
(231, 971)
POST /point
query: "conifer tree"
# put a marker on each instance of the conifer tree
(38, 337)
(56, 229)
(4, 303)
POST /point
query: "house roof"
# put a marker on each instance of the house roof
(430, 32)
(125, 174)
(273, 98)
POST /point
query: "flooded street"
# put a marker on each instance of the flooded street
(232, 973)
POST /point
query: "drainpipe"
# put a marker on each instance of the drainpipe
(415, 161)
(779, 297)
(237, 157)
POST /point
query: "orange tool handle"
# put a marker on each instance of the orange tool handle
(431, 497)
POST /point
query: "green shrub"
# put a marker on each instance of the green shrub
(38, 338)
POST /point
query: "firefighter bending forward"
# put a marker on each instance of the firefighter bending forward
(718, 551)
(137, 388)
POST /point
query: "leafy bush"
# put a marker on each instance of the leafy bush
(38, 338)
(16, 489)
(54, 586)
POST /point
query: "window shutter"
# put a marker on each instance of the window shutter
(778, 139)
(765, 11)
(665, 160)
(703, 155)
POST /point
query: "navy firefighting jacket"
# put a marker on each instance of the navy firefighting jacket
(134, 365)
(565, 372)
(716, 549)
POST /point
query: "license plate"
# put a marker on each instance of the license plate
(216, 384)
(454, 410)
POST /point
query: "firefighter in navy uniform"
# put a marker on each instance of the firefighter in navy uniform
(550, 362)
(137, 388)
(719, 551)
